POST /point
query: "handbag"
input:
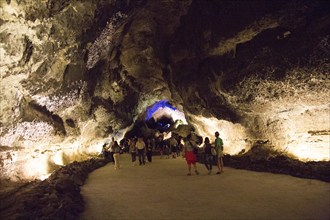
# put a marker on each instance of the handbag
(213, 151)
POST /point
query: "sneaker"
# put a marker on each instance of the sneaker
(189, 174)
(197, 173)
(218, 172)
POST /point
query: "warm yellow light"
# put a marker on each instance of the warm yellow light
(310, 148)
(233, 135)
(58, 158)
(36, 168)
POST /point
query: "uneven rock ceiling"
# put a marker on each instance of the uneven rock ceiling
(74, 73)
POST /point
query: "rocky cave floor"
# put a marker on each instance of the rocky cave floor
(58, 197)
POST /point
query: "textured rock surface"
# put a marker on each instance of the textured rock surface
(74, 73)
(58, 197)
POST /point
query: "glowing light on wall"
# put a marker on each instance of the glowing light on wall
(165, 108)
(233, 135)
(58, 158)
(308, 151)
(307, 147)
(36, 168)
(297, 130)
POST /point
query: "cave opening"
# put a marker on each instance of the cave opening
(162, 124)
(163, 116)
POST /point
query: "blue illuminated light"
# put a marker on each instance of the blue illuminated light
(156, 106)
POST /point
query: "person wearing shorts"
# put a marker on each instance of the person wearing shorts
(189, 155)
(219, 148)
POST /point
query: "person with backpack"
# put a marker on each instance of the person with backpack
(219, 148)
(188, 153)
(208, 157)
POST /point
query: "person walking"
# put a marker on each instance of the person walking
(140, 146)
(111, 151)
(116, 153)
(161, 146)
(105, 152)
(149, 148)
(189, 154)
(132, 150)
(180, 146)
(208, 157)
(173, 145)
(219, 148)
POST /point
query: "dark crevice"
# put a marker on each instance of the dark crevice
(35, 112)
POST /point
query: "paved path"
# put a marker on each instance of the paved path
(161, 190)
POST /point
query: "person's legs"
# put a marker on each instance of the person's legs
(111, 157)
(140, 156)
(116, 159)
(206, 162)
(210, 163)
(134, 158)
(189, 169)
(195, 167)
(148, 156)
(143, 157)
(221, 164)
(218, 164)
(161, 153)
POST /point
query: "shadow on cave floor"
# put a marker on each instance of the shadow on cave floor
(161, 190)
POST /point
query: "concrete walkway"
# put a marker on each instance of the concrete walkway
(161, 190)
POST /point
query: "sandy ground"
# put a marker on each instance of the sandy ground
(162, 190)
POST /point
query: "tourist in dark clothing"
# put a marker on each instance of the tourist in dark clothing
(180, 146)
(208, 157)
(105, 151)
(149, 150)
(132, 150)
(174, 145)
(161, 146)
(111, 151)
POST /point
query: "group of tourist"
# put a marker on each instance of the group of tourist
(112, 152)
(138, 147)
(210, 152)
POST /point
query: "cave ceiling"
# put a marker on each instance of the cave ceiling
(75, 73)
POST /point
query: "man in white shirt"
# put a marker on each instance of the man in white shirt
(140, 145)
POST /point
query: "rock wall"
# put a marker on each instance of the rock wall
(74, 73)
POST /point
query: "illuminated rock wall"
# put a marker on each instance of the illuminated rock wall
(74, 73)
